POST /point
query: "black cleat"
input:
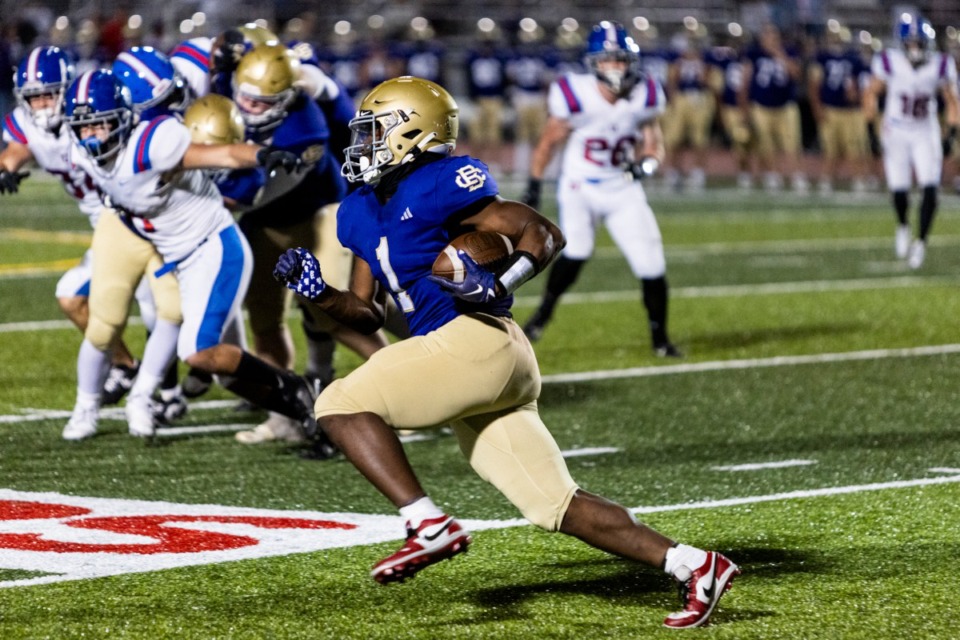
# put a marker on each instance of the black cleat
(666, 350)
(196, 383)
(119, 381)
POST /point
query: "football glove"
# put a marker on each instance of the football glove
(271, 159)
(299, 270)
(478, 285)
(876, 148)
(949, 140)
(10, 181)
(531, 197)
(227, 55)
(646, 167)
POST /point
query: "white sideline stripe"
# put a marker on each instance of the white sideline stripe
(610, 374)
(754, 363)
(756, 466)
(589, 451)
(807, 493)
(949, 470)
(205, 428)
(528, 302)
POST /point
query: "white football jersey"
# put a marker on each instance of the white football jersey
(604, 134)
(912, 92)
(176, 210)
(52, 153)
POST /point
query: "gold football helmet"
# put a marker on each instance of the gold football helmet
(396, 121)
(266, 74)
(214, 119)
(254, 34)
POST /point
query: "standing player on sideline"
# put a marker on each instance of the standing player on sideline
(608, 120)
(150, 173)
(468, 363)
(912, 75)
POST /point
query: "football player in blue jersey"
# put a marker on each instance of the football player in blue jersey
(291, 210)
(468, 363)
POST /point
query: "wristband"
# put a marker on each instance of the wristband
(521, 267)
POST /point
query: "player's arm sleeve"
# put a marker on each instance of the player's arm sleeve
(561, 99)
(460, 185)
(162, 145)
(880, 66)
(12, 131)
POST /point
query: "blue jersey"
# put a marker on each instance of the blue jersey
(304, 132)
(401, 239)
(770, 84)
(240, 185)
(486, 74)
(728, 61)
(841, 77)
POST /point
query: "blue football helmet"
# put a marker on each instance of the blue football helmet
(916, 37)
(156, 87)
(99, 98)
(609, 41)
(45, 71)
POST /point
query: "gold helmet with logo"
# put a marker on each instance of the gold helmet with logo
(266, 74)
(214, 119)
(396, 121)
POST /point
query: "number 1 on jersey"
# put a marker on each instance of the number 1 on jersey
(383, 257)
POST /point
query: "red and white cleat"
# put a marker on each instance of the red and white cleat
(701, 592)
(434, 540)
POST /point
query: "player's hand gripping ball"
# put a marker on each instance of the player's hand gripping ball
(488, 249)
(299, 270)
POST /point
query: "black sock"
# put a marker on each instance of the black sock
(170, 376)
(655, 300)
(928, 209)
(266, 386)
(562, 275)
(900, 205)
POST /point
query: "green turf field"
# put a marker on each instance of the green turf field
(810, 433)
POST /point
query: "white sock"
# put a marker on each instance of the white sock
(93, 366)
(168, 395)
(160, 350)
(682, 560)
(422, 509)
(145, 384)
(88, 401)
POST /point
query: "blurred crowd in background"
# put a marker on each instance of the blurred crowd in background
(499, 69)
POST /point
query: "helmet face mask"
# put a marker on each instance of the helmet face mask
(46, 71)
(397, 121)
(609, 43)
(99, 114)
(264, 85)
(916, 38)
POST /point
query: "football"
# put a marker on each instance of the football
(489, 249)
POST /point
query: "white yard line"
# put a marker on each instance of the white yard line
(758, 466)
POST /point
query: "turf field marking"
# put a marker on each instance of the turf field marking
(756, 466)
(949, 470)
(80, 238)
(589, 451)
(753, 363)
(30, 269)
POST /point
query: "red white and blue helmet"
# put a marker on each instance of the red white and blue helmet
(156, 87)
(610, 41)
(916, 36)
(99, 97)
(45, 71)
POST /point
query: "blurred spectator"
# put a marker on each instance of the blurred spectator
(687, 128)
(834, 94)
(421, 54)
(342, 58)
(487, 81)
(113, 32)
(379, 63)
(768, 96)
(529, 79)
(726, 79)
(7, 61)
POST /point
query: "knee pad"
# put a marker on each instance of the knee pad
(101, 333)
